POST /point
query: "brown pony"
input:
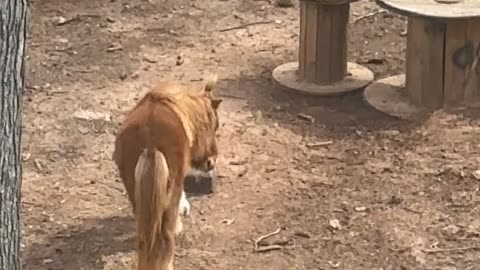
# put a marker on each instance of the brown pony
(170, 130)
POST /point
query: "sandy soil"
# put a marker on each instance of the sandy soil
(355, 190)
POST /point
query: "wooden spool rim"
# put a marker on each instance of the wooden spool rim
(331, 2)
(286, 76)
(464, 9)
(389, 96)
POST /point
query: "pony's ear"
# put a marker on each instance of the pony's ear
(210, 83)
(216, 102)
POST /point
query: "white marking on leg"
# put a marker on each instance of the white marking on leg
(184, 205)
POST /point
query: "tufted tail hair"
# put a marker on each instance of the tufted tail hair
(152, 198)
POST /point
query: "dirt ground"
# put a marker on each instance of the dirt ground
(354, 190)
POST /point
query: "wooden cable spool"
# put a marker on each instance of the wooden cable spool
(322, 68)
(442, 60)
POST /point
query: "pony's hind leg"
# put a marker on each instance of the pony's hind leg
(171, 265)
(171, 224)
(178, 225)
(183, 210)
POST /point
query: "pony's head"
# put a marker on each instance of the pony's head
(198, 109)
(208, 160)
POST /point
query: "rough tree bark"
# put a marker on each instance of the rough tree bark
(13, 19)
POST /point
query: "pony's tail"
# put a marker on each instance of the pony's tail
(151, 197)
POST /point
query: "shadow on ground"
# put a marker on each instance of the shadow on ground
(336, 116)
(82, 246)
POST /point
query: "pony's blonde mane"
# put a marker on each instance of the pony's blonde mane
(192, 105)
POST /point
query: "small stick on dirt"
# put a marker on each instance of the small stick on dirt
(114, 47)
(231, 96)
(371, 14)
(266, 248)
(28, 203)
(63, 21)
(244, 26)
(412, 211)
(302, 234)
(59, 49)
(318, 144)
(306, 117)
(442, 250)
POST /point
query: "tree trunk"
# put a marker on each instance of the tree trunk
(13, 18)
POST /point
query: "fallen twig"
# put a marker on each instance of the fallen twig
(59, 49)
(318, 144)
(269, 247)
(306, 117)
(371, 14)
(114, 47)
(281, 242)
(28, 203)
(63, 21)
(244, 26)
(231, 96)
(302, 234)
(442, 250)
(412, 211)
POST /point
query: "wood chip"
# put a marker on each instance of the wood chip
(38, 164)
(360, 209)
(228, 221)
(306, 117)
(47, 261)
(180, 60)
(114, 47)
(26, 156)
(149, 59)
(243, 172)
(63, 21)
(476, 174)
(335, 224)
(302, 234)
